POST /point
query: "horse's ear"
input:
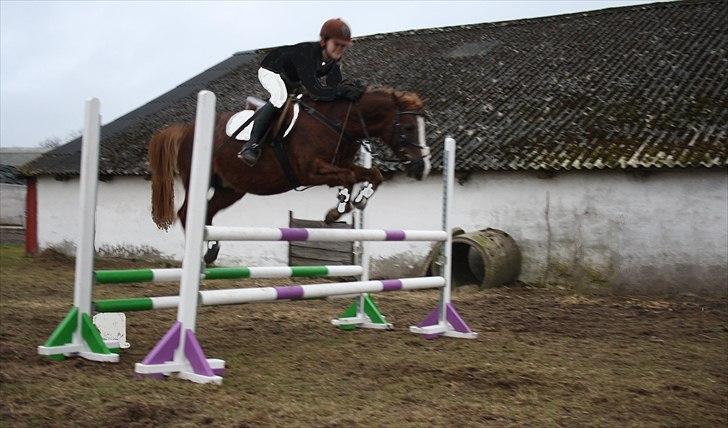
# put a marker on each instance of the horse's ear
(408, 101)
(399, 99)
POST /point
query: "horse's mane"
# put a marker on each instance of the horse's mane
(405, 100)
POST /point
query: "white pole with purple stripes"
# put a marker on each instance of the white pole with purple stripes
(226, 233)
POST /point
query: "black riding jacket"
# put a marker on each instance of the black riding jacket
(303, 65)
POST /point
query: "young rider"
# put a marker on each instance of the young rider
(313, 65)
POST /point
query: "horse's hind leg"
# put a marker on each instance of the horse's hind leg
(222, 198)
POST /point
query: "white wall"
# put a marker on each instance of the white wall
(666, 231)
(12, 204)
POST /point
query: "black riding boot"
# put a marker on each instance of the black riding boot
(252, 148)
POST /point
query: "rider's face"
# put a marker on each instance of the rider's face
(334, 49)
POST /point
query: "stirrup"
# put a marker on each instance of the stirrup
(253, 151)
(247, 147)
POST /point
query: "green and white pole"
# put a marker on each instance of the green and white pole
(76, 335)
(240, 272)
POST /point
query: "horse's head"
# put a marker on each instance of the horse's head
(398, 119)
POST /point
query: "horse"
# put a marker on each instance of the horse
(322, 148)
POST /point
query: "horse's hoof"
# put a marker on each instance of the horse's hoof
(211, 254)
(332, 216)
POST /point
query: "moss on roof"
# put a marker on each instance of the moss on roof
(632, 87)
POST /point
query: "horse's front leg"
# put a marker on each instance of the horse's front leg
(370, 179)
(333, 176)
(343, 205)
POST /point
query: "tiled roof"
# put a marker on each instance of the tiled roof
(10, 175)
(631, 87)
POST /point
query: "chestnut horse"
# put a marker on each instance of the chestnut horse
(322, 148)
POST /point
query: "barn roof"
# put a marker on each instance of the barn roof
(630, 87)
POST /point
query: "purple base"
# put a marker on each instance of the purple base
(164, 350)
(195, 355)
(451, 316)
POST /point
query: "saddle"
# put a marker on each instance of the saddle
(240, 125)
(244, 119)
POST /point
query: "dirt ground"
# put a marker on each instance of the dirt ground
(545, 357)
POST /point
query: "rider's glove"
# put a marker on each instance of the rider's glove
(350, 90)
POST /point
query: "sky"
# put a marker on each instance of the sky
(54, 55)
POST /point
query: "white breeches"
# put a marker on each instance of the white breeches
(273, 83)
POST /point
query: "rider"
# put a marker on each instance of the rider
(313, 65)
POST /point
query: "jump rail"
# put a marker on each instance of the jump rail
(174, 274)
(221, 233)
(178, 351)
(76, 334)
(236, 296)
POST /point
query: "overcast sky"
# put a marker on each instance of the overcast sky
(53, 55)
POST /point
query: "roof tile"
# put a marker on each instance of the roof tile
(631, 87)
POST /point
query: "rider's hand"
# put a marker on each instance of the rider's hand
(351, 91)
(355, 83)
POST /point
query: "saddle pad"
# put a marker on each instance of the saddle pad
(239, 118)
(236, 121)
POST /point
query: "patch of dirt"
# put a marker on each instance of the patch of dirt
(544, 357)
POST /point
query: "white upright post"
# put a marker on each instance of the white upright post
(448, 183)
(367, 314)
(192, 266)
(84, 340)
(88, 187)
(360, 318)
(359, 223)
(178, 351)
(445, 320)
(359, 219)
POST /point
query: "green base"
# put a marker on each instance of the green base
(63, 335)
(370, 308)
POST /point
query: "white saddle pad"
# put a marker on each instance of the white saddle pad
(237, 120)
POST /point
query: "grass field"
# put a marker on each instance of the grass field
(545, 357)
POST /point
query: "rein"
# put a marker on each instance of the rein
(338, 143)
(325, 120)
(338, 128)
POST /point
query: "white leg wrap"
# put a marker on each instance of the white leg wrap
(344, 197)
(365, 193)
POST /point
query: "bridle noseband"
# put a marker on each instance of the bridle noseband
(401, 138)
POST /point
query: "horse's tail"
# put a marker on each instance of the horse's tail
(163, 150)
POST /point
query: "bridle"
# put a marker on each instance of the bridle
(401, 139)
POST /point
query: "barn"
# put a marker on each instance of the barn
(597, 140)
